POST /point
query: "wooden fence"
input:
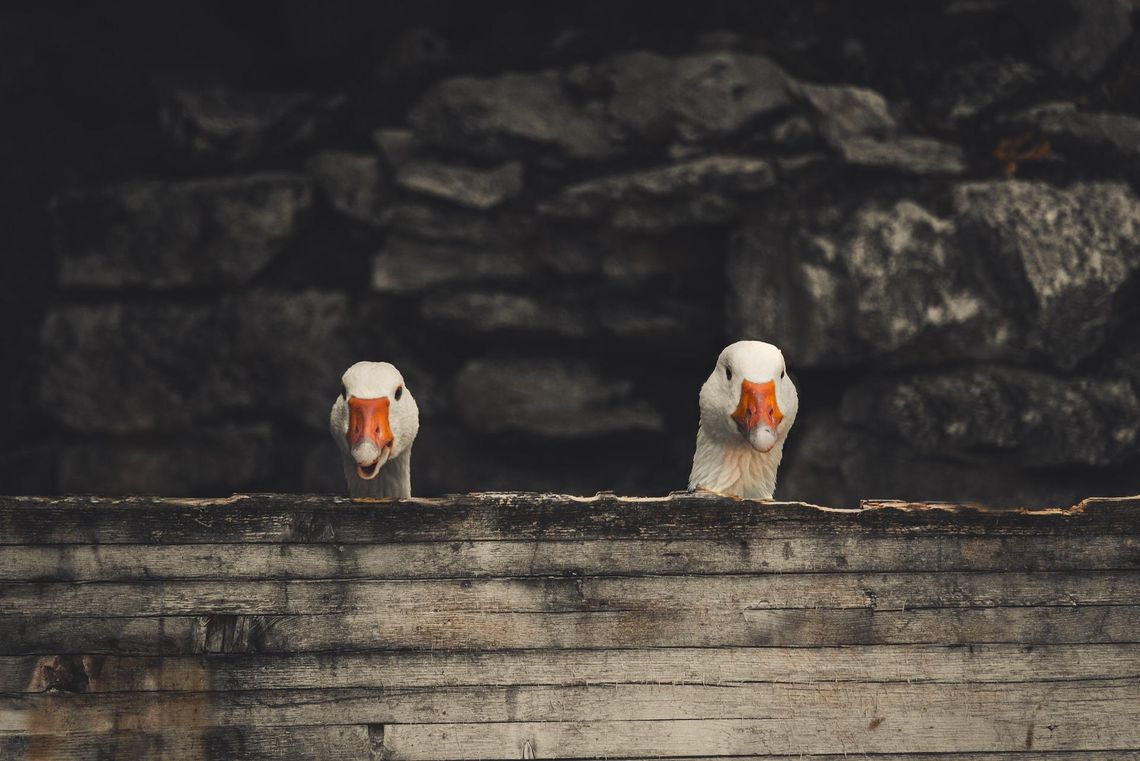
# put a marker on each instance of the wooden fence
(500, 626)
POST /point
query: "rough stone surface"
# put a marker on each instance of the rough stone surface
(1019, 266)
(353, 184)
(914, 155)
(856, 122)
(697, 97)
(549, 397)
(174, 235)
(1069, 253)
(491, 311)
(1112, 138)
(479, 189)
(406, 265)
(1034, 419)
(576, 314)
(972, 89)
(841, 112)
(435, 223)
(238, 126)
(720, 93)
(698, 192)
(835, 287)
(1076, 38)
(493, 116)
(831, 463)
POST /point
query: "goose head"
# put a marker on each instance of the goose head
(374, 421)
(748, 405)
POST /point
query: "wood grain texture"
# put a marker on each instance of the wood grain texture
(321, 743)
(279, 518)
(973, 664)
(833, 553)
(877, 591)
(913, 732)
(425, 630)
(943, 706)
(514, 625)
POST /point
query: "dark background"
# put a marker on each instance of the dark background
(551, 217)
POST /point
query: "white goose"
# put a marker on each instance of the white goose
(374, 422)
(748, 405)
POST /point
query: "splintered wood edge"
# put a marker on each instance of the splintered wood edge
(508, 499)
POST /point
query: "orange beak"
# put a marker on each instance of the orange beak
(368, 418)
(757, 405)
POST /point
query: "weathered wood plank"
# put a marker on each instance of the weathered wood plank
(426, 630)
(890, 591)
(425, 560)
(278, 518)
(1071, 755)
(166, 743)
(916, 731)
(1115, 703)
(240, 744)
(882, 663)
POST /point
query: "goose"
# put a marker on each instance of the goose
(748, 405)
(374, 422)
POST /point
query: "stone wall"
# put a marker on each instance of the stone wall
(552, 219)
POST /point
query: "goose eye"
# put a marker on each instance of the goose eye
(399, 392)
(728, 373)
(782, 374)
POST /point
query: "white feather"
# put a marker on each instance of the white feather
(373, 380)
(725, 461)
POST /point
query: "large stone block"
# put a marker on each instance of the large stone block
(1012, 416)
(836, 464)
(700, 97)
(698, 192)
(197, 233)
(834, 286)
(904, 153)
(857, 123)
(407, 265)
(479, 189)
(499, 116)
(1064, 255)
(1019, 269)
(636, 319)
